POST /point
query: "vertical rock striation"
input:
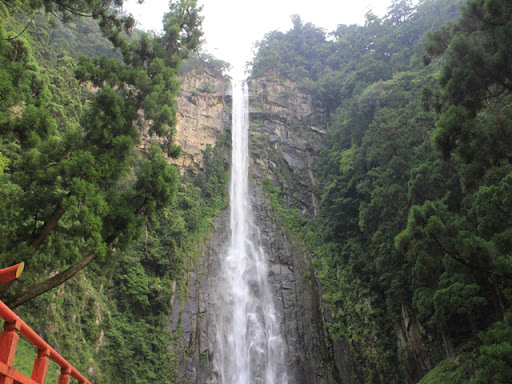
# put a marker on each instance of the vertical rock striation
(204, 105)
(297, 299)
(286, 130)
(203, 115)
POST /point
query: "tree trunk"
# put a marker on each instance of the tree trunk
(56, 280)
(5, 286)
(448, 345)
(48, 227)
(50, 224)
(499, 304)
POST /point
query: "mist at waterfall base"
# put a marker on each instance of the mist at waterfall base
(250, 349)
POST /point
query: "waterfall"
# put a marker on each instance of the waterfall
(250, 349)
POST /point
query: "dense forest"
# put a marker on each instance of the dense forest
(416, 210)
(103, 226)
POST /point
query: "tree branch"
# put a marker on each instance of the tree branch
(78, 12)
(48, 227)
(22, 32)
(51, 283)
(56, 280)
(468, 264)
(65, 275)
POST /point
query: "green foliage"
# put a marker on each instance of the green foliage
(494, 364)
(359, 56)
(115, 319)
(26, 353)
(300, 52)
(214, 177)
(450, 371)
(288, 218)
(75, 182)
(471, 133)
(474, 77)
(200, 62)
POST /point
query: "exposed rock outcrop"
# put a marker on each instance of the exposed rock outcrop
(204, 105)
(286, 131)
(194, 307)
(296, 302)
(203, 115)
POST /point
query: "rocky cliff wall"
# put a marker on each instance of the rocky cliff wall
(285, 129)
(286, 132)
(285, 138)
(203, 115)
(296, 296)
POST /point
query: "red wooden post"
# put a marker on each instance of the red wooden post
(64, 377)
(8, 344)
(41, 366)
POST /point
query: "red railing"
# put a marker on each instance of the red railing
(13, 327)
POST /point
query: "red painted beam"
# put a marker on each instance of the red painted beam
(11, 273)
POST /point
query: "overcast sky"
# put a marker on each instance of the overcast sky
(231, 27)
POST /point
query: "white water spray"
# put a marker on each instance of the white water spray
(250, 349)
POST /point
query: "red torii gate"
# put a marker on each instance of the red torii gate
(13, 327)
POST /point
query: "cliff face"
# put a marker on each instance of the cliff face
(285, 129)
(285, 133)
(296, 296)
(285, 138)
(202, 118)
(203, 114)
(194, 307)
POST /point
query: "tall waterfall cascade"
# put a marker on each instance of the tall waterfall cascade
(250, 348)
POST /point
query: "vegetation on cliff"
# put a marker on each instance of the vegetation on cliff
(412, 243)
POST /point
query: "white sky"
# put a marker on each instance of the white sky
(231, 27)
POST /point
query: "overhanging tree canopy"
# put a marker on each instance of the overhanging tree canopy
(72, 187)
